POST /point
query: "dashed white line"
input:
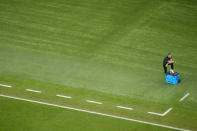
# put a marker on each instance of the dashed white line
(33, 90)
(163, 114)
(95, 102)
(6, 85)
(92, 112)
(64, 96)
(127, 108)
(186, 95)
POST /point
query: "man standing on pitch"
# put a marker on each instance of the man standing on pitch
(168, 61)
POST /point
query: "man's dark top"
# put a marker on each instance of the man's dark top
(165, 61)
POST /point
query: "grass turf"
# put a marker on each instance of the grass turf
(114, 48)
(44, 118)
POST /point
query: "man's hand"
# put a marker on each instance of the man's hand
(171, 61)
(166, 65)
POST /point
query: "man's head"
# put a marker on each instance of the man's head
(169, 55)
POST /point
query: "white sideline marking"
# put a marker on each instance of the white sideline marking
(33, 90)
(163, 114)
(167, 111)
(94, 102)
(128, 108)
(92, 112)
(6, 85)
(64, 96)
(184, 97)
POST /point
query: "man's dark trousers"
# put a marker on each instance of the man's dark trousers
(165, 68)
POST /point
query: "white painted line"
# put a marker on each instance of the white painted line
(127, 108)
(155, 113)
(163, 114)
(6, 85)
(33, 90)
(64, 96)
(92, 112)
(167, 111)
(94, 102)
(186, 95)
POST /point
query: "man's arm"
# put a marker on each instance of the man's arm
(170, 62)
(167, 65)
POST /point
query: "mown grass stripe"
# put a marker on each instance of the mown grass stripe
(92, 112)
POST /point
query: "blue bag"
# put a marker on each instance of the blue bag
(172, 78)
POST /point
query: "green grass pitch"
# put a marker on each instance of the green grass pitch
(109, 51)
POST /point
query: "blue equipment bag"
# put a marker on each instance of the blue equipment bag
(172, 78)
